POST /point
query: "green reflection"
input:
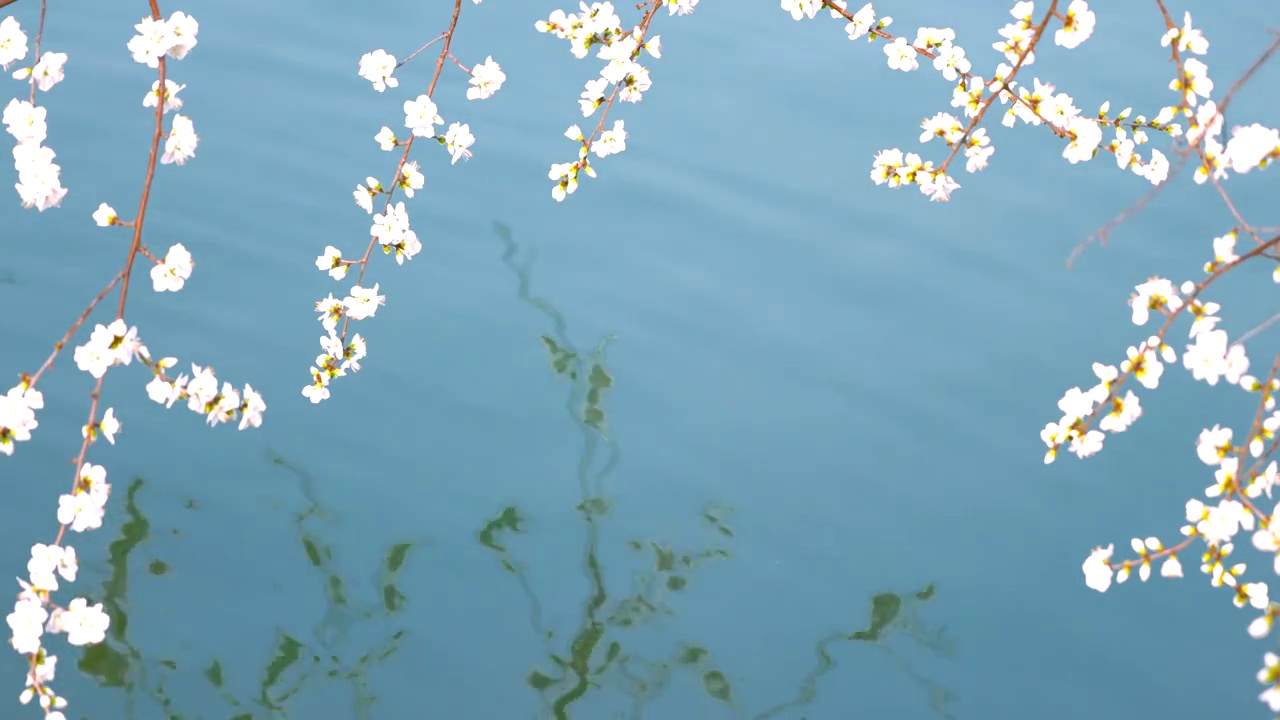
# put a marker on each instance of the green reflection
(599, 655)
(330, 654)
(890, 615)
(118, 662)
(595, 653)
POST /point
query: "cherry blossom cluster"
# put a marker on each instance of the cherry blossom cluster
(18, 416)
(83, 508)
(1244, 468)
(13, 42)
(35, 613)
(622, 78)
(421, 115)
(1244, 471)
(1042, 104)
(118, 344)
(1241, 478)
(597, 24)
(172, 38)
(339, 356)
(168, 275)
(390, 228)
(1249, 147)
(158, 38)
(39, 178)
(203, 396)
(1209, 357)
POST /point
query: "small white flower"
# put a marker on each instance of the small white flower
(110, 426)
(1097, 568)
(105, 215)
(385, 138)
(180, 145)
(171, 99)
(901, 55)
(172, 274)
(84, 624)
(363, 302)
(48, 71)
(421, 116)
(458, 141)
(376, 67)
(862, 22)
(331, 262)
(486, 79)
(13, 42)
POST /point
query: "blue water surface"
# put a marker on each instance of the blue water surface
(731, 433)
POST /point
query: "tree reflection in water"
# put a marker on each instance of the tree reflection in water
(590, 658)
(331, 654)
(594, 652)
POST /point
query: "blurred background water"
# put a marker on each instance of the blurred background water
(732, 433)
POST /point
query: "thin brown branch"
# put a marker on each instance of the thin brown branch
(458, 62)
(57, 348)
(44, 5)
(1007, 84)
(1257, 329)
(156, 135)
(1248, 74)
(1103, 234)
(447, 35)
(1015, 98)
(1118, 382)
(415, 53)
(1255, 431)
(90, 433)
(617, 88)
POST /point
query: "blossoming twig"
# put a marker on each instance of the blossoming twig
(30, 380)
(117, 344)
